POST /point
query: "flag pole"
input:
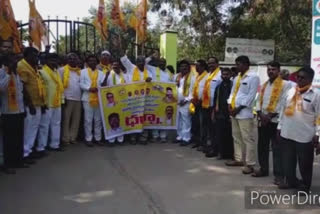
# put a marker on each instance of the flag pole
(137, 39)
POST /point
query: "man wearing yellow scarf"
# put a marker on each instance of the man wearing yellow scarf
(91, 78)
(12, 113)
(271, 96)
(70, 75)
(160, 74)
(185, 82)
(51, 120)
(35, 101)
(241, 102)
(116, 77)
(197, 92)
(299, 127)
(105, 62)
(137, 73)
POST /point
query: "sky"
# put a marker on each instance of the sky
(73, 9)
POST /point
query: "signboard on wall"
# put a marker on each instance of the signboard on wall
(258, 51)
(315, 46)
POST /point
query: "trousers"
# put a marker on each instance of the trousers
(31, 128)
(243, 140)
(92, 116)
(266, 135)
(50, 123)
(184, 124)
(12, 139)
(71, 120)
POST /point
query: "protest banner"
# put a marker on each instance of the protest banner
(131, 108)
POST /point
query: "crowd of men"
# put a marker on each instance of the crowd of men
(218, 109)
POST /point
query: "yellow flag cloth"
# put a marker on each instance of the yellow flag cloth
(236, 89)
(117, 15)
(100, 22)
(54, 75)
(12, 94)
(136, 74)
(66, 74)
(37, 29)
(93, 97)
(206, 97)
(275, 94)
(296, 101)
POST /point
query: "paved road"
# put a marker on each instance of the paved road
(153, 179)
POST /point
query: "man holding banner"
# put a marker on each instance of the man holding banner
(137, 73)
(160, 74)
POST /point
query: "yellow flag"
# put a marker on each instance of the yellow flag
(141, 15)
(8, 25)
(117, 15)
(100, 22)
(37, 29)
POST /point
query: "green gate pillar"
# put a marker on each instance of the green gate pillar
(168, 47)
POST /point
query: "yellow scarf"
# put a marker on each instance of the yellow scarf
(206, 97)
(136, 74)
(275, 94)
(105, 68)
(41, 90)
(186, 84)
(122, 81)
(196, 85)
(93, 97)
(236, 89)
(12, 94)
(54, 75)
(296, 101)
(66, 74)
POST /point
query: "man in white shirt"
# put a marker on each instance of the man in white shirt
(160, 74)
(241, 102)
(12, 114)
(115, 77)
(198, 115)
(185, 81)
(299, 127)
(90, 79)
(105, 62)
(137, 73)
(70, 75)
(270, 100)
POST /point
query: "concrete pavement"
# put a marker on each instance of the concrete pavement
(153, 179)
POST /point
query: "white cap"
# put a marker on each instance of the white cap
(105, 52)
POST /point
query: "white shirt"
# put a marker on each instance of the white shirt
(215, 82)
(246, 94)
(188, 98)
(130, 68)
(267, 96)
(4, 82)
(85, 83)
(301, 126)
(165, 75)
(113, 132)
(117, 78)
(73, 92)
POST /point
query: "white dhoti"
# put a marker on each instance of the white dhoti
(184, 123)
(92, 115)
(50, 121)
(31, 127)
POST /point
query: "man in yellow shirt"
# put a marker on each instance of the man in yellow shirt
(51, 120)
(35, 103)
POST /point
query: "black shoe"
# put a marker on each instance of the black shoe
(99, 143)
(284, 185)
(144, 143)
(211, 154)
(178, 141)
(21, 166)
(41, 154)
(28, 161)
(60, 149)
(35, 155)
(9, 171)
(89, 143)
(184, 143)
(195, 146)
